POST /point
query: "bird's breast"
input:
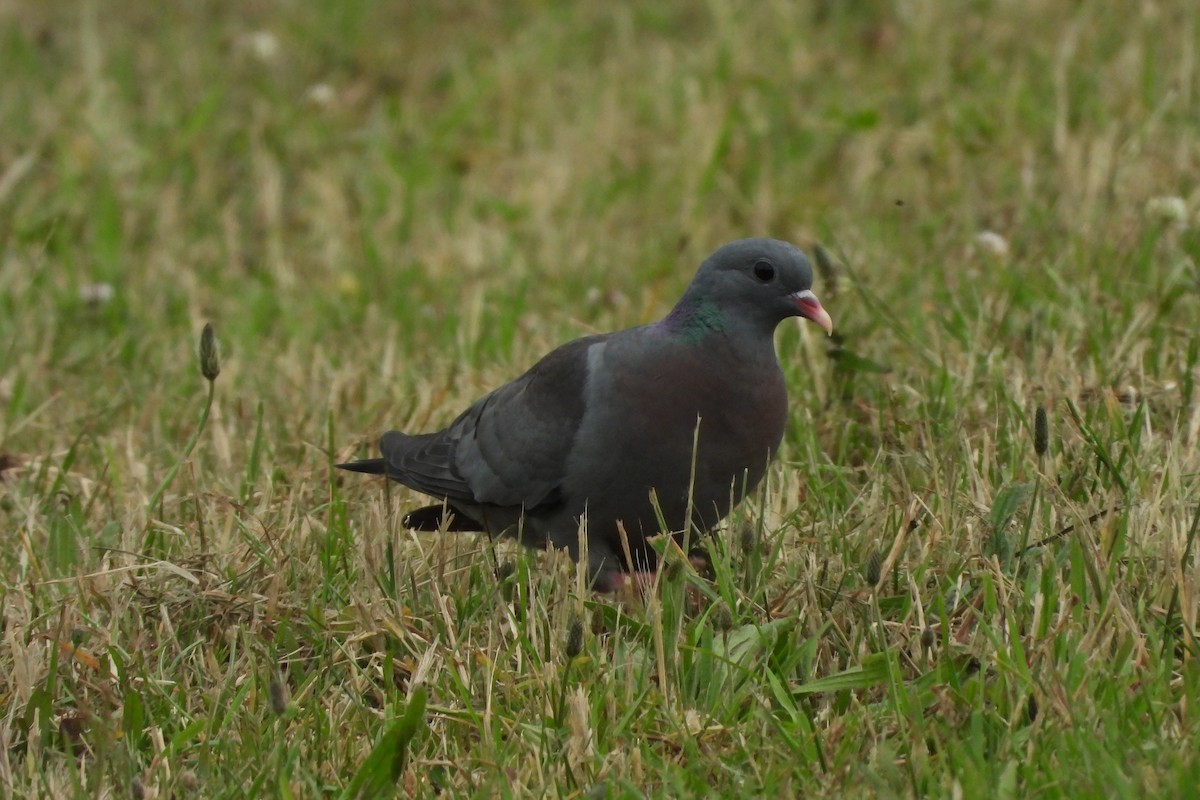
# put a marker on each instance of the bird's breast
(736, 413)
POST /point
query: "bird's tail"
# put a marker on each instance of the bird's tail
(371, 466)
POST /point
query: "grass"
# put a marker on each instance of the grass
(385, 212)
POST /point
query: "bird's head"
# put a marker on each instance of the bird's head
(759, 282)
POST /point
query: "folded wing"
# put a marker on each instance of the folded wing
(510, 448)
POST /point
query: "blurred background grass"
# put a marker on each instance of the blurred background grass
(388, 209)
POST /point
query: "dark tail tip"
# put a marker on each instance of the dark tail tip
(371, 466)
(432, 518)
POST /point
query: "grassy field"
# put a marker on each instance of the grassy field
(386, 210)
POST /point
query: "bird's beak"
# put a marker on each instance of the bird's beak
(810, 307)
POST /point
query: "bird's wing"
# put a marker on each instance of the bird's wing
(513, 446)
(510, 448)
(425, 462)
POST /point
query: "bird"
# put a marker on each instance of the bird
(612, 439)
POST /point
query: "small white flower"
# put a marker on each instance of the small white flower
(96, 294)
(264, 45)
(992, 243)
(321, 94)
(1170, 210)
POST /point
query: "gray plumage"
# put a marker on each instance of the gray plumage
(596, 425)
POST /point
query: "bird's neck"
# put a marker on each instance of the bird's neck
(694, 318)
(699, 321)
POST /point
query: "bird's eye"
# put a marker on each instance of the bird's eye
(764, 271)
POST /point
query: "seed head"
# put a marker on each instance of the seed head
(210, 353)
(722, 617)
(277, 694)
(927, 638)
(1041, 432)
(873, 570)
(574, 638)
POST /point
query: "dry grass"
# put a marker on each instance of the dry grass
(386, 213)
